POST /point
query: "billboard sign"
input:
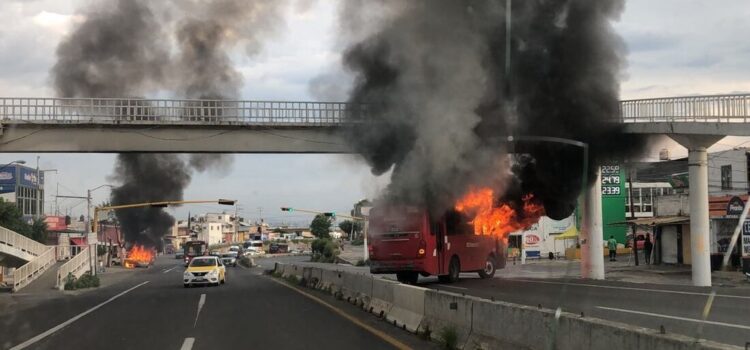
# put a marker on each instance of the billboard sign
(8, 175)
(28, 177)
(55, 223)
(735, 206)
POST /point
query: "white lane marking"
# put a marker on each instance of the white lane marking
(629, 288)
(187, 344)
(200, 306)
(676, 317)
(446, 286)
(66, 323)
(165, 271)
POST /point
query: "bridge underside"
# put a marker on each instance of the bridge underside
(170, 139)
(689, 128)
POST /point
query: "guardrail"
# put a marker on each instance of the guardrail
(76, 266)
(714, 108)
(21, 242)
(20, 110)
(25, 274)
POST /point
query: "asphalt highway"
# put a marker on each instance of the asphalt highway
(152, 310)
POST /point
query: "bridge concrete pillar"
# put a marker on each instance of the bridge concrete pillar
(592, 243)
(697, 146)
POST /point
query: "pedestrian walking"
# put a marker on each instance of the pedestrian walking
(647, 248)
(612, 245)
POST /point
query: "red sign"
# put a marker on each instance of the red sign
(55, 223)
(532, 239)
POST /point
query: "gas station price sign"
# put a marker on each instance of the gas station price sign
(611, 180)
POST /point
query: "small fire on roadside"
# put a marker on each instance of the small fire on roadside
(138, 256)
(498, 220)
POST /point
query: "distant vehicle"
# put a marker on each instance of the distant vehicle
(276, 248)
(406, 241)
(191, 249)
(254, 247)
(229, 259)
(179, 255)
(205, 270)
(235, 248)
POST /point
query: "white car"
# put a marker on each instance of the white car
(204, 270)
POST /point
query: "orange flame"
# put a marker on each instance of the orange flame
(498, 221)
(139, 255)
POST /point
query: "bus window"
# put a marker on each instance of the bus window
(457, 224)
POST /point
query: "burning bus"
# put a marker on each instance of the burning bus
(471, 237)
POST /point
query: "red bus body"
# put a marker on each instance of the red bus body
(405, 241)
(192, 249)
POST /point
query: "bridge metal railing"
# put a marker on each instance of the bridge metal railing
(21, 242)
(28, 272)
(714, 108)
(76, 266)
(181, 112)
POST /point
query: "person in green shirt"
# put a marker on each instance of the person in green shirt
(612, 245)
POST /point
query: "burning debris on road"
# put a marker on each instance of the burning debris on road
(139, 256)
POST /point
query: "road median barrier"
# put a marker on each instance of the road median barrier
(474, 323)
(381, 301)
(357, 289)
(407, 311)
(447, 312)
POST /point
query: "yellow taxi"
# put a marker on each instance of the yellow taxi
(204, 270)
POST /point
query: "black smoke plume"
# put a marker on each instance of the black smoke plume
(122, 49)
(435, 80)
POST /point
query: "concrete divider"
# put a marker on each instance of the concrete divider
(331, 281)
(357, 289)
(311, 275)
(445, 311)
(499, 325)
(407, 311)
(483, 324)
(381, 301)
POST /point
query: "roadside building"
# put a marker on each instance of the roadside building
(20, 185)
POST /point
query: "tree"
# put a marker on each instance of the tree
(320, 226)
(39, 230)
(12, 219)
(346, 226)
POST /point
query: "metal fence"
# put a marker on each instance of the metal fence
(716, 108)
(76, 266)
(27, 273)
(180, 112)
(20, 242)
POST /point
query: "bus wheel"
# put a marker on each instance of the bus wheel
(489, 268)
(454, 269)
(407, 277)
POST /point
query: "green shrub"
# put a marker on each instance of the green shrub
(85, 281)
(324, 250)
(358, 241)
(448, 338)
(295, 241)
(361, 262)
(246, 261)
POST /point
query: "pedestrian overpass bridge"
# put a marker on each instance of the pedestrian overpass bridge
(194, 126)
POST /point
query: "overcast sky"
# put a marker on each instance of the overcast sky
(676, 47)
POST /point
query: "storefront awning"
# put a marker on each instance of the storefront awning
(655, 221)
(81, 241)
(570, 233)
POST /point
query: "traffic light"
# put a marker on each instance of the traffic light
(159, 205)
(330, 215)
(287, 209)
(226, 201)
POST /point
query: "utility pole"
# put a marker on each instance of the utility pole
(632, 213)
